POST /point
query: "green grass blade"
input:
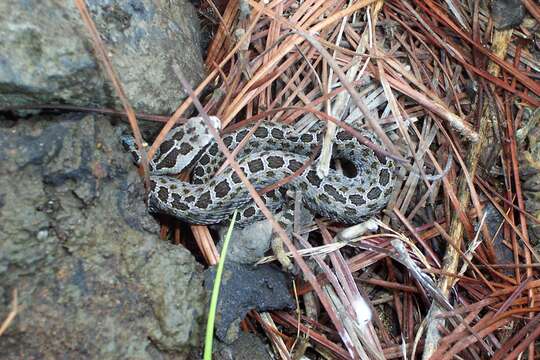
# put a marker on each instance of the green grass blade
(209, 337)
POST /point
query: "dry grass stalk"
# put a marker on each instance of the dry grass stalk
(452, 257)
(12, 313)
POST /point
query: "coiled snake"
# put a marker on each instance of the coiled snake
(274, 152)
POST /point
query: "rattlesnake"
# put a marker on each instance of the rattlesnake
(274, 152)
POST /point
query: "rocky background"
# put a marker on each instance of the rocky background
(46, 56)
(92, 276)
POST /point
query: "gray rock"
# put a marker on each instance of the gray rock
(248, 244)
(94, 280)
(245, 288)
(48, 58)
(246, 347)
(507, 14)
(173, 281)
(74, 309)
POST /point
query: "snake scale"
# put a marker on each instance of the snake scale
(273, 152)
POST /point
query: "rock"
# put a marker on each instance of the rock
(173, 283)
(248, 244)
(507, 14)
(245, 288)
(246, 347)
(93, 278)
(529, 167)
(74, 309)
(494, 220)
(49, 58)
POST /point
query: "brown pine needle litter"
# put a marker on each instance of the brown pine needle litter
(452, 271)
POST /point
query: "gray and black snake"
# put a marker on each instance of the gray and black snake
(274, 152)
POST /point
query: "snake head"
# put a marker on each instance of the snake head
(182, 145)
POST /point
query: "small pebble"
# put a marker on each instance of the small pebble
(358, 230)
(42, 235)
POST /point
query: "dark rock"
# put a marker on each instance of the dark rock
(244, 288)
(94, 280)
(246, 347)
(507, 14)
(494, 220)
(49, 58)
(529, 168)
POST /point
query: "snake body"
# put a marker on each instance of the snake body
(274, 152)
